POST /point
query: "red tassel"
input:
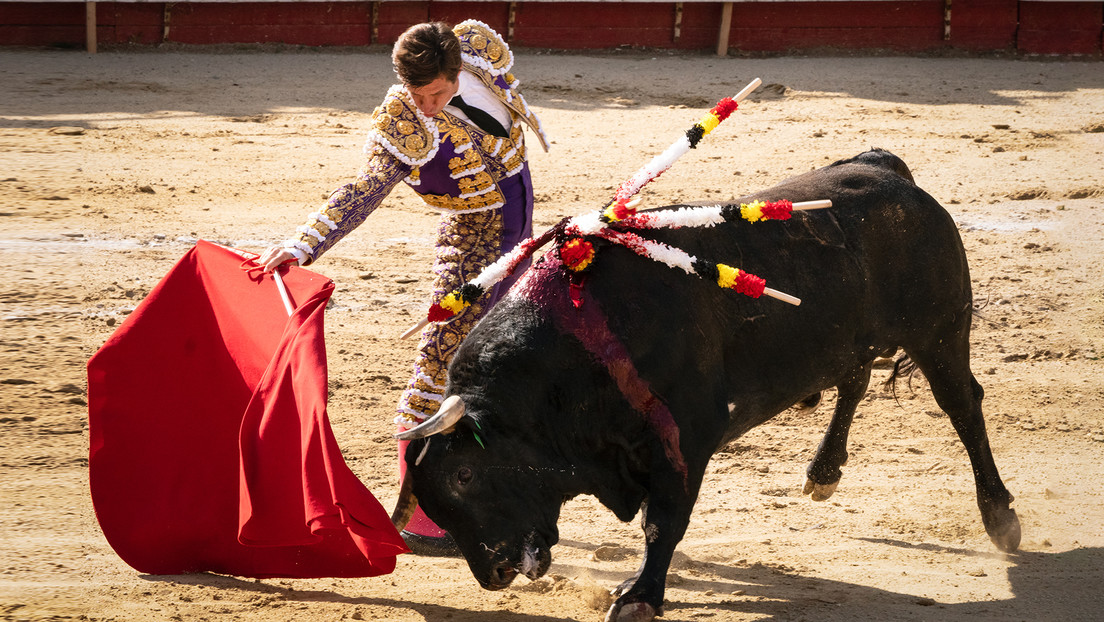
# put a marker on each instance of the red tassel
(621, 211)
(724, 108)
(577, 253)
(778, 210)
(437, 313)
(750, 285)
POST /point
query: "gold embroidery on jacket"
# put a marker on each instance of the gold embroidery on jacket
(475, 184)
(399, 125)
(480, 41)
(467, 161)
(479, 202)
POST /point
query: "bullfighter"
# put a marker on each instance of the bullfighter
(452, 131)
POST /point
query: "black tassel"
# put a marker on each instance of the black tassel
(695, 134)
(470, 292)
(706, 269)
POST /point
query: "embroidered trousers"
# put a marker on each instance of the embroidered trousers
(466, 243)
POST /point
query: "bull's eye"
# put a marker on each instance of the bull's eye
(464, 475)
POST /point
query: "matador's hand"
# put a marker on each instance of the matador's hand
(276, 256)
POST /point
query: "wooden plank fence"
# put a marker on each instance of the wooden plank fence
(1026, 26)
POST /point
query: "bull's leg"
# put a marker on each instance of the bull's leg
(946, 366)
(665, 517)
(823, 474)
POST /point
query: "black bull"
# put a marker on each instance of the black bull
(627, 395)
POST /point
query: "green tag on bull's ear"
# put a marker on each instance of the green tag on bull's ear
(475, 422)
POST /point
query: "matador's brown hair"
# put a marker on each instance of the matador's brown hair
(425, 52)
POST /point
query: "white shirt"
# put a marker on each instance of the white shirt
(475, 93)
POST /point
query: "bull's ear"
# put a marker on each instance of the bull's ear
(443, 422)
(472, 424)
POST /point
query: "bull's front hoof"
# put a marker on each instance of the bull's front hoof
(1003, 527)
(631, 612)
(819, 492)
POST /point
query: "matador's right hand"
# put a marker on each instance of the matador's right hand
(275, 257)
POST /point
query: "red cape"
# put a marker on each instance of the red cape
(210, 445)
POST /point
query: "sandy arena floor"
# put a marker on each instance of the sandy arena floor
(112, 165)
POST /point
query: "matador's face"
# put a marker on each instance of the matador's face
(432, 98)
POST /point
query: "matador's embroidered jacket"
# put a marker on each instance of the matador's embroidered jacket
(454, 166)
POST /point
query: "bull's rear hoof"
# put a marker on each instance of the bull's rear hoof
(631, 612)
(429, 546)
(1004, 530)
(819, 492)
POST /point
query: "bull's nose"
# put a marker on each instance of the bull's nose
(502, 574)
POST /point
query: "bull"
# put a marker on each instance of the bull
(622, 384)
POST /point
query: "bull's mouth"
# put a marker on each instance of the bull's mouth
(534, 562)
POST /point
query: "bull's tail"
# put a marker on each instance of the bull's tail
(903, 367)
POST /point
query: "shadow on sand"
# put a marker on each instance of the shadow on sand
(1067, 586)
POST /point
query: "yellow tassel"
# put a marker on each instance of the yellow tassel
(709, 122)
(609, 212)
(727, 275)
(582, 265)
(452, 303)
(752, 212)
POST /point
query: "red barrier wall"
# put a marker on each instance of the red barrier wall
(911, 25)
(779, 26)
(981, 25)
(1060, 27)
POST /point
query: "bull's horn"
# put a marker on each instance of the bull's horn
(407, 503)
(452, 409)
